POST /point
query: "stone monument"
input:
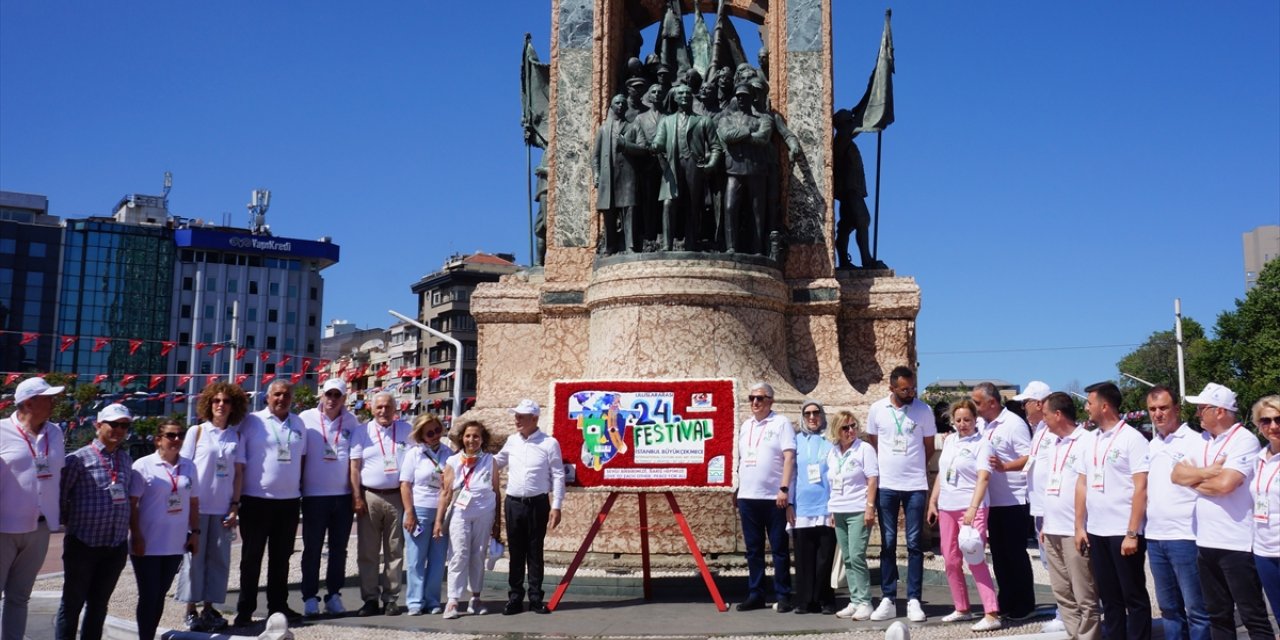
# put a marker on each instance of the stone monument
(781, 313)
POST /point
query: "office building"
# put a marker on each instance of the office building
(1262, 245)
(30, 258)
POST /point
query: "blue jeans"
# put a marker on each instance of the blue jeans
(424, 560)
(1269, 574)
(889, 501)
(761, 518)
(1177, 581)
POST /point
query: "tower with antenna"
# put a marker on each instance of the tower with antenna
(261, 200)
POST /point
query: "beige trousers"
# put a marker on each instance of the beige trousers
(1073, 588)
(380, 548)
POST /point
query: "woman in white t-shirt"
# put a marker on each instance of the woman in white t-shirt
(959, 499)
(470, 489)
(421, 476)
(163, 522)
(853, 474)
(1265, 488)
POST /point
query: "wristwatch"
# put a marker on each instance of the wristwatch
(1131, 534)
(784, 489)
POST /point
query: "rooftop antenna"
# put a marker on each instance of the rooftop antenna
(258, 212)
(168, 186)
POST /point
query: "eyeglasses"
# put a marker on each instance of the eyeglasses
(849, 427)
(1268, 421)
(172, 435)
(432, 433)
(220, 401)
(812, 414)
(120, 424)
(333, 394)
(759, 398)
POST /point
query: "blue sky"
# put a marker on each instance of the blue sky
(1058, 172)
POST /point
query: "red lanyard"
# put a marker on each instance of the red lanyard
(378, 427)
(336, 432)
(1258, 485)
(111, 468)
(1035, 448)
(763, 428)
(1109, 445)
(1057, 467)
(466, 479)
(1224, 445)
(172, 478)
(25, 438)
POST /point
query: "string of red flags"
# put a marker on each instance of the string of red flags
(134, 345)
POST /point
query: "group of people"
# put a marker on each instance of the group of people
(1098, 497)
(176, 512)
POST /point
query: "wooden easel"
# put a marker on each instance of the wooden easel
(644, 548)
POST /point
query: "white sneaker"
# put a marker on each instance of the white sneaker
(986, 624)
(957, 616)
(863, 612)
(1053, 626)
(311, 607)
(914, 612)
(847, 612)
(333, 605)
(886, 611)
(476, 608)
(451, 610)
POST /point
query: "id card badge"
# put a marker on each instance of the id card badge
(117, 493)
(749, 458)
(389, 465)
(837, 483)
(815, 473)
(464, 498)
(329, 453)
(220, 467)
(1055, 485)
(175, 502)
(900, 445)
(284, 455)
(1262, 510)
(42, 468)
(953, 478)
(1097, 480)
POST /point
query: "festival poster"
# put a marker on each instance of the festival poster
(659, 434)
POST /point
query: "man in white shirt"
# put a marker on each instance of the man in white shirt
(1171, 543)
(1009, 516)
(32, 454)
(534, 494)
(377, 452)
(902, 430)
(1111, 508)
(326, 497)
(1069, 572)
(766, 466)
(270, 460)
(1037, 471)
(1223, 522)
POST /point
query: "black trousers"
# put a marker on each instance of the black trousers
(269, 526)
(1229, 580)
(526, 531)
(89, 576)
(1122, 587)
(1007, 538)
(154, 575)
(815, 553)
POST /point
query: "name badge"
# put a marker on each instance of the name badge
(284, 455)
(1055, 485)
(749, 458)
(900, 445)
(464, 498)
(1097, 479)
(815, 474)
(837, 483)
(389, 465)
(42, 468)
(329, 453)
(220, 467)
(1262, 510)
(117, 493)
(175, 502)
(953, 478)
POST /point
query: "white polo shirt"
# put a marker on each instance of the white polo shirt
(1170, 507)
(381, 450)
(958, 467)
(848, 473)
(164, 493)
(1110, 460)
(424, 470)
(1265, 489)
(1226, 522)
(328, 471)
(1037, 471)
(31, 476)
(213, 452)
(271, 451)
(1010, 439)
(900, 435)
(760, 447)
(1060, 486)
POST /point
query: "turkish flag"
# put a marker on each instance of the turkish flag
(296, 378)
(324, 375)
(264, 355)
(128, 377)
(267, 378)
(306, 364)
(28, 337)
(216, 349)
(167, 346)
(183, 380)
(201, 345)
(100, 378)
(212, 379)
(324, 364)
(284, 360)
(99, 343)
(240, 353)
(155, 381)
(383, 371)
(67, 341)
(12, 378)
(134, 345)
(241, 378)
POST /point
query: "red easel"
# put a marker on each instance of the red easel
(644, 548)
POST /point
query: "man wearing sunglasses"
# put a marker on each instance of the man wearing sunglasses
(95, 508)
(326, 497)
(766, 465)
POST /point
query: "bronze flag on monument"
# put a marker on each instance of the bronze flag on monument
(875, 110)
(535, 94)
(726, 47)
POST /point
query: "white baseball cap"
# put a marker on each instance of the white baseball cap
(1035, 390)
(495, 552)
(526, 407)
(1215, 395)
(114, 412)
(333, 383)
(32, 387)
(971, 545)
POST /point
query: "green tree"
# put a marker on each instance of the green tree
(304, 397)
(1244, 353)
(1157, 361)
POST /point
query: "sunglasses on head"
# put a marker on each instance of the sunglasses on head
(759, 398)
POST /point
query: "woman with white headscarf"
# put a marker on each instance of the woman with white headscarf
(815, 537)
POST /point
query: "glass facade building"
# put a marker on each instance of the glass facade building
(30, 258)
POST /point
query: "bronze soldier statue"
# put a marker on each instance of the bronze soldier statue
(687, 147)
(615, 178)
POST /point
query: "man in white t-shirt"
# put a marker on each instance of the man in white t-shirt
(766, 462)
(270, 460)
(377, 453)
(326, 497)
(1111, 509)
(1171, 543)
(1037, 471)
(1009, 516)
(1223, 523)
(902, 430)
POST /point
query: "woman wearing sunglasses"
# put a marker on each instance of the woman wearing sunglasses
(164, 522)
(852, 473)
(815, 536)
(420, 481)
(1265, 488)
